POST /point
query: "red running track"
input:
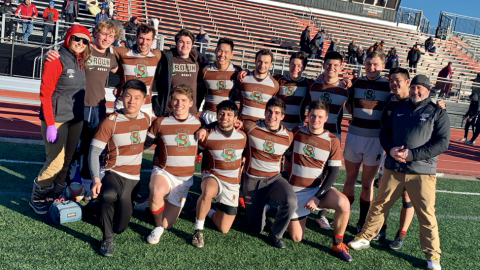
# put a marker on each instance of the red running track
(20, 120)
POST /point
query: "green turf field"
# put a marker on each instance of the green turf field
(28, 243)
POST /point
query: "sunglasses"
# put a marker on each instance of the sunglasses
(78, 39)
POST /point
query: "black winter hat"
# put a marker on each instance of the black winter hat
(422, 80)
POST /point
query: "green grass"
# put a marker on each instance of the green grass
(29, 243)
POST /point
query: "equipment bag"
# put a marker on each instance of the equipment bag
(62, 211)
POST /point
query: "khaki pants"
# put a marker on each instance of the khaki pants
(421, 189)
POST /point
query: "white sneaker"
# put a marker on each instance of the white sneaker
(323, 222)
(433, 264)
(462, 139)
(155, 235)
(359, 243)
(141, 206)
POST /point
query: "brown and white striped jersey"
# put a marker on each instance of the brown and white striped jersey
(310, 153)
(218, 84)
(255, 95)
(177, 144)
(123, 139)
(369, 99)
(133, 65)
(294, 94)
(335, 95)
(265, 148)
(224, 154)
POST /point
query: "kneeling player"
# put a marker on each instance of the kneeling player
(174, 164)
(223, 146)
(122, 135)
(316, 156)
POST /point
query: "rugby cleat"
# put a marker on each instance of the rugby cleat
(38, 200)
(359, 243)
(433, 264)
(462, 139)
(278, 242)
(341, 250)
(380, 236)
(323, 222)
(197, 240)
(469, 142)
(155, 235)
(396, 244)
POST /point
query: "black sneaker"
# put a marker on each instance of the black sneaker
(279, 243)
(38, 200)
(380, 237)
(55, 192)
(106, 249)
(197, 240)
(397, 243)
(359, 228)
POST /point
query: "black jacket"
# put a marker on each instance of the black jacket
(305, 38)
(414, 56)
(392, 63)
(429, 42)
(75, 7)
(360, 56)
(473, 110)
(130, 28)
(423, 128)
(8, 10)
(162, 82)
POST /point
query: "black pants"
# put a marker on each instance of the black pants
(8, 28)
(258, 191)
(412, 66)
(469, 124)
(116, 203)
(476, 128)
(70, 18)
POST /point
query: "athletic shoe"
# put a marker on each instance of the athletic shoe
(323, 222)
(478, 178)
(433, 264)
(341, 251)
(106, 249)
(141, 206)
(380, 237)
(469, 142)
(397, 243)
(359, 243)
(197, 240)
(38, 200)
(462, 139)
(56, 192)
(155, 235)
(278, 242)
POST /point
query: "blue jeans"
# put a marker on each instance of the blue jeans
(47, 29)
(27, 29)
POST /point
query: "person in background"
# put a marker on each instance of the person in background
(62, 92)
(334, 45)
(154, 22)
(131, 31)
(305, 39)
(391, 53)
(50, 15)
(6, 9)
(352, 49)
(472, 118)
(392, 63)
(430, 45)
(413, 58)
(444, 78)
(102, 15)
(70, 9)
(316, 44)
(121, 30)
(27, 12)
(203, 38)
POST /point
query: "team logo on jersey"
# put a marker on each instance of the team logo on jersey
(70, 72)
(257, 96)
(182, 140)
(135, 137)
(424, 117)
(269, 147)
(369, 94)
(140, 71)
(289, 90)
(221, 85)
(229, 155)
(309, 151)
(327, 97)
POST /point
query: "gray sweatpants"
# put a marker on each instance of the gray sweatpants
(257, 191)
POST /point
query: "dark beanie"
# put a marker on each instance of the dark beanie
(422, 80)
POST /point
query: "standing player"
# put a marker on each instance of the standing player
(294, 91)
(267, 142)
(335, 93)
(316, 158)
(174, 164)
(122, 136)
(219, 79)
(139, 63)
(367, 99)
(257, 88)
(221, 177)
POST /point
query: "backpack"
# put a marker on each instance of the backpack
(62, 211)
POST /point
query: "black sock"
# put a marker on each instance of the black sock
(364, 206)
(401, 234)
(337, 239)
(322, 213)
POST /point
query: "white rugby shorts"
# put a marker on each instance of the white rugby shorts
(178, 189)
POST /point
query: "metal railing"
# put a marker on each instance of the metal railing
(463, 24)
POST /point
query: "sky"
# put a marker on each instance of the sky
(431, 8)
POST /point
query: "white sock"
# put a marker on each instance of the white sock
(210, 213)
(199, 224)
(87, 184)
(160, 228)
